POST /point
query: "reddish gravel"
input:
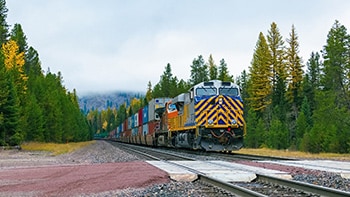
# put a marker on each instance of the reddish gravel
(70, 180)
(290, 169)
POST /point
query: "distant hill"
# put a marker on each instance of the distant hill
(105, 100)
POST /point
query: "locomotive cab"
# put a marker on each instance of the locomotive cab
(219, 115)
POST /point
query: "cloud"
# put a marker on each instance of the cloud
(121, 45)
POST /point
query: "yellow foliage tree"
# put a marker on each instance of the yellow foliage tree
(260, 86)
(14, 61)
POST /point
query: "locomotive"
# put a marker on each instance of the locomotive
(208, 117)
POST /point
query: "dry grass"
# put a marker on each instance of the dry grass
(55, 149)
(294, 154)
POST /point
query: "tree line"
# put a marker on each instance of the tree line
(34, 105)
(289, 104)
(169, 85)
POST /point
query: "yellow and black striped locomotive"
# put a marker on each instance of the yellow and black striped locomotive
(208, 117)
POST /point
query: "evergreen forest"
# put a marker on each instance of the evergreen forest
(34, 105)
(290, 103)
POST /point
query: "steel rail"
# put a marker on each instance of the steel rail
(315, 189)
(202, 177)
(241, 191)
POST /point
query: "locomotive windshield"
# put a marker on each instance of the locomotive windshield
(209, 91)
(228, 91)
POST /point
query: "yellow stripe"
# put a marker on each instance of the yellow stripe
(205, 105)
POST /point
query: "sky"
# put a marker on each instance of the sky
(121, 45)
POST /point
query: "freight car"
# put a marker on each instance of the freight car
(208, 117)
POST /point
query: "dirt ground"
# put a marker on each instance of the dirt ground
(39, 174)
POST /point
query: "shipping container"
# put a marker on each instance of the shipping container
(145, 114)
(135, 119)
(155, 104)
(135, 131)
(120, 128)
(112, 134)
(145, 129)
(153, 127)
(117, 134)
(130, 122)
(126, 136)
(140, 116)
(125, 125)
(140, 130)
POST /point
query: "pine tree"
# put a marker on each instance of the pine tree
(295, 72)
(18, 36)
(149, 92)
(167, 86)
(14, 62)
(213, 70)
(183, 86)
(303, 122)
(260, 87)
(224, 74)
(165, 81)
(255, 130)
(4, 27)
(337, 65)
(311, 82)
(295, 69)
(156, 92)
(32, 63)
(279, 73)
(35, 127)
(277, 137)
(4, 96)
(11, 115)
(242, 81)
(199, 71)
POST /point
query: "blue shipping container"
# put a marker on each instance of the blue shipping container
(132, 121)
(135, 131)
(145, 129)
(145, 114)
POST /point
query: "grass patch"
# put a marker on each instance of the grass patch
(294, 154)
(55, 149)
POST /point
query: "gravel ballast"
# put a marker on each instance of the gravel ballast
(103, 154)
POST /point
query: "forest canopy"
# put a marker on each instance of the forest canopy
(34, 105)
(290, 103)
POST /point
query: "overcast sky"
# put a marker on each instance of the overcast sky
(111, 45)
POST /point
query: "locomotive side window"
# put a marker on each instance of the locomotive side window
(206, 91)
(171, 107)
(228, 91)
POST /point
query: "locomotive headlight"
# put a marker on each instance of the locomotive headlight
(210, 121)
(233, 121)
(220, 101)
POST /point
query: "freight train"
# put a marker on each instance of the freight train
(208, 117)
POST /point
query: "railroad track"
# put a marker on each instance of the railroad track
(262, 186)
(272, 186)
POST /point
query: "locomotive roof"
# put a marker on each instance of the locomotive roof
(216, 83)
